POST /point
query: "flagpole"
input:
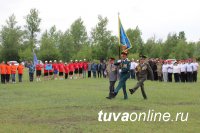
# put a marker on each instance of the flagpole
(119, 46)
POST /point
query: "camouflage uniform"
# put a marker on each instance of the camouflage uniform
(141, 72)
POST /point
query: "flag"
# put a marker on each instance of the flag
(123, 39)
(35, 61)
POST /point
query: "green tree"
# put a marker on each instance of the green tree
(135, 38)
(11, 39)
(79, 34)
(32, 26)
(101, 39)
(197, 51)
(168, 50)
(48, 49)
(66, 47)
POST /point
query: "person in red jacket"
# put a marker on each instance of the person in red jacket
(61, 69)
(13, 72)
(38, 71)
(8, 72)
(3, 72)
(76, 67)
(20, 69)
(80, 71)
(71, 69)
(85, 67)
(66, 68)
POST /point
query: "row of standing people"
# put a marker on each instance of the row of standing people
(182, 71)
(8, 72)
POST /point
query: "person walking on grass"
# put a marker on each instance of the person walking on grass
(111, 71)
(142, 70)
(124, 65)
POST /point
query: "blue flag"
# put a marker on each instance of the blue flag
(49, 67)
(35, 61)
(123, 39)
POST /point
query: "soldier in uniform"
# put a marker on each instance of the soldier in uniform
(124, 65)
(111, 70)
(141, 71)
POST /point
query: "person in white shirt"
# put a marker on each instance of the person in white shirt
(195, 70)
(183, 71)
(170, 71)
(189, 68)
(132, 69)
(176, 72)
(164, 71)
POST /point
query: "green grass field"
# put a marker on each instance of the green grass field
(70, 106)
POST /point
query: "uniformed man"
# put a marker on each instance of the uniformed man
(124, 64)
(142, 70)
(111, 71)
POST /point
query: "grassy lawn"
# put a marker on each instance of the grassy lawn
(72, 106)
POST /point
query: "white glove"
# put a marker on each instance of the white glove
(120, 70)
(119, 61)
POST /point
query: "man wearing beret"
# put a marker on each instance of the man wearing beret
(124, 64)
(141, 71)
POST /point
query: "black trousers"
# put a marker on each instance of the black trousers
(155, 74)
(194, 76)
(7, 78)
(3, 78)
(20, 77)
(169, 77)
(183, 77)
(111, 87)
(31, 77)
(66, 75)
(89, 74)
(176, 77)
(140, 84)
(189, 77)
(99, 74)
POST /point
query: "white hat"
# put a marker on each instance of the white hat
(46, 61)
(55, 61)
(50, 61)
(60, 60)
(84, 59)
(80, 60)
(76, 60)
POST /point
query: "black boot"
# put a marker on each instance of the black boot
(113, 95)
(131, 91)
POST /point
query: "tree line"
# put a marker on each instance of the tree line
(19, 42)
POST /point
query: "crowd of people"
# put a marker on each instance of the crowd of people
(163, 70)
(52, 70)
